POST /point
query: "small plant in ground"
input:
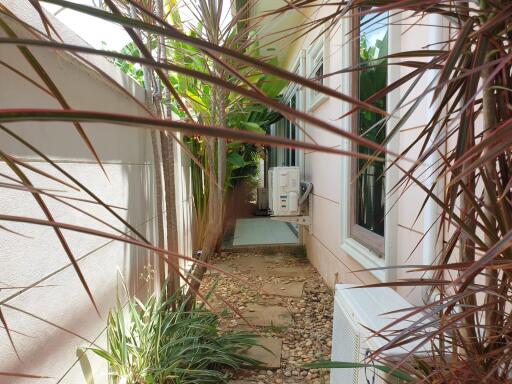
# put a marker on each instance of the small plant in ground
(161, 342)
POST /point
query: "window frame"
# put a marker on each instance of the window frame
(290, 129)
(297, 67)
(318, 49)
(369, 239)
(353, 248)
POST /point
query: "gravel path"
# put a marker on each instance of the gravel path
(306, 339)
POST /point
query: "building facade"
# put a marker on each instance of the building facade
(361, 224)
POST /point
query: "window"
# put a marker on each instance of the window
(288, 129)
(293, 98)
(290, 132)
(368, 195)
(316, 71)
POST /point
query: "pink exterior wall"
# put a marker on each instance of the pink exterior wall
(325, 171)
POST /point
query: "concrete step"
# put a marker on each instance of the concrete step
(267, 315)
(291, 289)
(269, 355)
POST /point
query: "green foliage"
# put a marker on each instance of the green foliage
(133, 70)
(242, 162)
(241, 113)
(370, 181)
(160, 342)
(371, 80)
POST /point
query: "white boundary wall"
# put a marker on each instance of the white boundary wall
(38, 261)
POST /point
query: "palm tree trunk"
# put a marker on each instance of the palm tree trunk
(157, 166)
(213, 231)
(168, 164)
(173, 279)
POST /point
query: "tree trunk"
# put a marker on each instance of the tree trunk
(173, 279)
(216, 150)
(221, 167)
(159, 205)
(213, 228)
(154, 96)
(168, 165)
(157, 166)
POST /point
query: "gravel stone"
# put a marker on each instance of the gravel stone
(306, 340)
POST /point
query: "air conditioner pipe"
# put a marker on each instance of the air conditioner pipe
(307, 187)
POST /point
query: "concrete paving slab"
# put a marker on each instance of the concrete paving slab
(262, 230)
(292, 289)
(267, 315)
(291, 271)
(252, 263)
(270, 358)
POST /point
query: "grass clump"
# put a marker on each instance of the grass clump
(160, 342)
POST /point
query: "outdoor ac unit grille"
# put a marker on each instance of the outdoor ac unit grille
(357, 347)
(354, 349)
(351, 342)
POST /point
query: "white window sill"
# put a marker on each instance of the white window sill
(366, 257)
(319, 100)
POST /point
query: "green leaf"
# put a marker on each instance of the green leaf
(273, 86)
(253, 127)
(235, 160)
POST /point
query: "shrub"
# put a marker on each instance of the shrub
(161, 342)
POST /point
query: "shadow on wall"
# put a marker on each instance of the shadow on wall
(140, 265)
(60, 341)
(47, 349)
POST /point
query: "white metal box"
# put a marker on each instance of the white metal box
(356, 311)
(284, 191)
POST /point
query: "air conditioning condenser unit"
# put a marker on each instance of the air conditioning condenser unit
(356, 312)
(284, 191)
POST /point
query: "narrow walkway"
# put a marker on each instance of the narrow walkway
(287, 303)
(256, 231)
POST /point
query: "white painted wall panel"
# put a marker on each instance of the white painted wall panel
(60, 302)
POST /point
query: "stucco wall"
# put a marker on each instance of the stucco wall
(47, 309)
(328, 172)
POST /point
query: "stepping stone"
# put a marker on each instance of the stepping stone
(267, 315)
(284, 289)
(251, 263)
(270, 358)
(291, 271)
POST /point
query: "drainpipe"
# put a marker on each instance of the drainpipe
(431, 241)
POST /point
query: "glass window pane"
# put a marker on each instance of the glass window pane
(370, 193)
(319, 73)
(293, 102)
